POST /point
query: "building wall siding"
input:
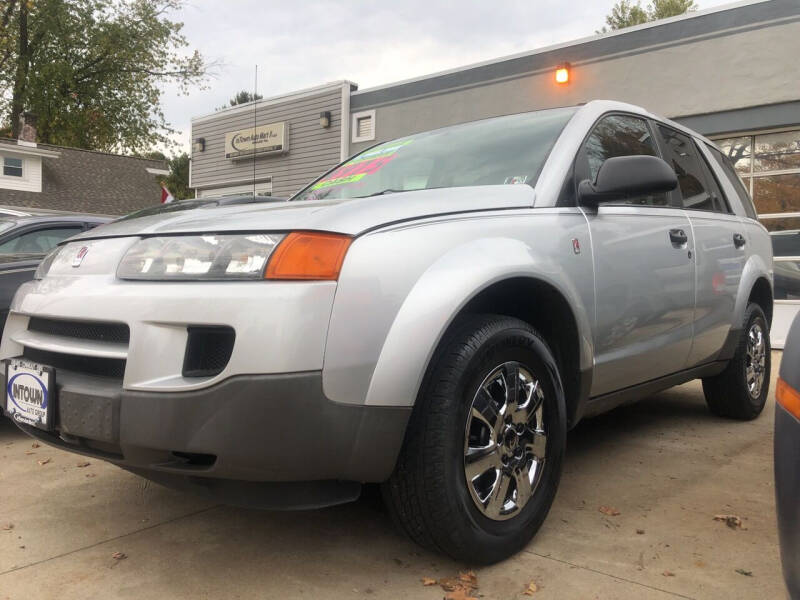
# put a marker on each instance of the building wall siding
(312, 148)
(739, 69)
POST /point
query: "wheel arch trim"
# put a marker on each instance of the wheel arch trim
(442, 293)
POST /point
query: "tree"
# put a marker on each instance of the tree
(663, 9)
(177, 181)
(242, 97)
(92, 71)
(626, 13)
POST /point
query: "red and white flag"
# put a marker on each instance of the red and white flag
(166, 197)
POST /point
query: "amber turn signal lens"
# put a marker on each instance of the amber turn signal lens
(788, 397)
(562, 75)
(308, 255)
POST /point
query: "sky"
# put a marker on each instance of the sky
(304, 43)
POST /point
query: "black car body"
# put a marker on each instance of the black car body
(26, 236)
(787, 459)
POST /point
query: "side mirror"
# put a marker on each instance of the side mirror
(624, 177)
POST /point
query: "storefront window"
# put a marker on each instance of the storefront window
(777, 151)
(770, 168)
(739, 151)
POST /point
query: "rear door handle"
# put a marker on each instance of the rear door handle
(738, 240)
(678, 237)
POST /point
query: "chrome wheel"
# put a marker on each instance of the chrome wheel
(756, 360)
(505, 441)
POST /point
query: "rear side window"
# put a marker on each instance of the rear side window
(697, 187)
(618, 135)
(736, 181)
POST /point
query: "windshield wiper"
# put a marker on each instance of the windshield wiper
(381, 193)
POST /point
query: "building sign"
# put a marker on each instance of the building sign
(264, 139)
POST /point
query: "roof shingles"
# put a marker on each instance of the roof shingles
(90, 182)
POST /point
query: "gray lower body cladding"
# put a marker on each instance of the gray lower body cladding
(267, 440)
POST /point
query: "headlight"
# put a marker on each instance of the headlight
(47, 262)
(199, 257)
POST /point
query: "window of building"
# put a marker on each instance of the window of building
(769, 164)
(363, 126)
(618, 135)
(12, 167)
(40, 241)
(770, 168)
(263, 188)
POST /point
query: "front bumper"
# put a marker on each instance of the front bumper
(250, 439)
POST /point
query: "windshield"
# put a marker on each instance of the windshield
(503, 150)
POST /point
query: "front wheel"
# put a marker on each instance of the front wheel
(740, 391)
(482, 456)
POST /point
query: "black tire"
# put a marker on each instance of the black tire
(427, 494)
(728, 394)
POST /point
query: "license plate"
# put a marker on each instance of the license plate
(30, 392)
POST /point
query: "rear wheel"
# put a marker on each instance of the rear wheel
(740, 391)
(482, 457)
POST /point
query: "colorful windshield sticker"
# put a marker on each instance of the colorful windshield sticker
(516, 180)
(364, 164)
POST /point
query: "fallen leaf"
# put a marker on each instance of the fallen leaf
(732, 521)
(449, 583)
(531, 589)
(609, 510)
(43, 462)
(459, 594)
(428, 581)
(668, 574)
(29, 452)
(640, 531)
(80, 465)
(469, 578)
(91, 474)
(35, 445)
(8, 527)
(461, 587)
(119, 556)
(744, 572)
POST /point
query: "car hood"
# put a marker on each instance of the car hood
(351, 217)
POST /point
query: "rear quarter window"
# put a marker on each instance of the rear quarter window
(736, 181)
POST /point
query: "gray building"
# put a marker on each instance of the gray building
(729, 72)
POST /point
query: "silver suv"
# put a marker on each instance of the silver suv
(434, 314)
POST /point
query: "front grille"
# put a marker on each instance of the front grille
(84, 330)
(88, 365)
(208, 350)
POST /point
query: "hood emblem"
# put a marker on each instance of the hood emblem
(76, 262)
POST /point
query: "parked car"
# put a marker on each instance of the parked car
(787, 459)
(433, 315)
(26, 236)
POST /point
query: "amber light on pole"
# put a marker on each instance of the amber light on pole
(562, 73)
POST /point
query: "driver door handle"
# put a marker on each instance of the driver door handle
(678, 237)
